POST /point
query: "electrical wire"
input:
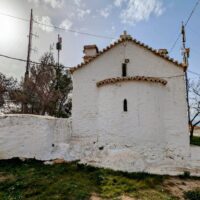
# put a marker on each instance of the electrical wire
(18, 59)
(185, 24)
(59, 28)
(24, 60)
(19, 18)
(74, 31)
(195, 73)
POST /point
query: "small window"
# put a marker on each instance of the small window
(124, 73)
(125, 105)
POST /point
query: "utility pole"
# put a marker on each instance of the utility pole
(29, 47)
(186, 54)
(26, 76)
(59, 47)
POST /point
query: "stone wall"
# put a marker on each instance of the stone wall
(48, 138)
(32, 136)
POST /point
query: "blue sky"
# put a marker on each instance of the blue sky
(154, 22)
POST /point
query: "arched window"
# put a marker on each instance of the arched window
(125, 105)
(124, 69)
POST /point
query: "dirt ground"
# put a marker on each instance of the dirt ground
(177, 186)
(95, 197)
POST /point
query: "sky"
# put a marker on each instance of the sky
(153, 22)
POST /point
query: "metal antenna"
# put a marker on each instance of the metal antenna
(59, 47)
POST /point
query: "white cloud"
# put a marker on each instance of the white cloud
(113, 28)
(66, 24)
(81, 13)
(106, 11)
(52, 3)
(118, 3)
(44, 23)
(138, 10)
(55, 3)
(78, 2)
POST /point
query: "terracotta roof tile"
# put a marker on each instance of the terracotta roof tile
(124, 39)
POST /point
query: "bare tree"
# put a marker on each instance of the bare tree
(194, 98)
(46, 90)
(7, 85)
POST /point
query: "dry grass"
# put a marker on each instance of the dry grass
(177, 187)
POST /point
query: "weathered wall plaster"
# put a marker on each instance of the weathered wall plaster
(31, 136)
(155, 126)
(47, 138)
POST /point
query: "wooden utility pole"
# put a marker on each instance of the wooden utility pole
(186, 53)
(26, 76)
(29, 47)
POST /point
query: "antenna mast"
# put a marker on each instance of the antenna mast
(59, 47)
(186, 54)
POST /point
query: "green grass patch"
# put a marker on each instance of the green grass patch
(195, 140)
(33, 180)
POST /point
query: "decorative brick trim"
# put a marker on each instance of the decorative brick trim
(131, 78)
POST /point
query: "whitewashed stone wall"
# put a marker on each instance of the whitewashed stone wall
(47, 138)
(154, 131)
(31, 136)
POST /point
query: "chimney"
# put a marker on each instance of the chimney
(90, 51)
(163, 52)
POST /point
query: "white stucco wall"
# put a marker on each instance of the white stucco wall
(155, 125)
(31, 136)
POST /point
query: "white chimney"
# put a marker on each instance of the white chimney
(90, 51)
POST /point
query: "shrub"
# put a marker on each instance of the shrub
(195, 140)
(192, 195)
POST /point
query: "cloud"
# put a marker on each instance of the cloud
(106, 11)
(52, 3)
(78, 2)
(118, 3)
(81, 13)
(113, 28)
(55, 3)
(66, 24)
(139, 10)
(44, 23)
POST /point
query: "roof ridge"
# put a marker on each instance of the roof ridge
(124, 38)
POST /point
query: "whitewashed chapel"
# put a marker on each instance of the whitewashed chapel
(129, 112)
(133, 96)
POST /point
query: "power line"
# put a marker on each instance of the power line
(23, 60)
(74, 31)
(59, 28)
(19, 18)
(187, 21)
(18, 59)
(195, 73)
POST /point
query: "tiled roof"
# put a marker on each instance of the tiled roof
(131, 78)
(125, 38)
